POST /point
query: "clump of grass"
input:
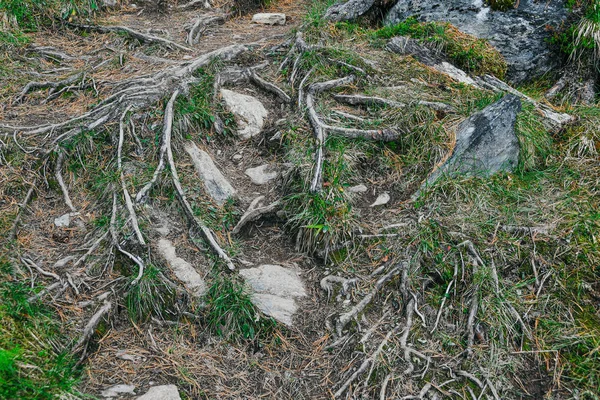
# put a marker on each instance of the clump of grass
(467, 52)
(29, 15)
(501, 5)
(197, 111)
(32, 366)
(150, 297)
(231, 313)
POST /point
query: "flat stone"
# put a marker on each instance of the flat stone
(216, 185)
(63, 221)
(262, 174)
(118, 390)
(486, 142)
(275, 289)
(381, 200)
(269, 18)
(183, 270)
(357, 189)
(165, 392)
(249, 112)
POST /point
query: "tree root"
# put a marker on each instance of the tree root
(144, 38)
(254, 212)
(61, 182)
(13, 230)
(348, 316)
(53, 86)
(356, 99)
(199, 25)
(88, 331)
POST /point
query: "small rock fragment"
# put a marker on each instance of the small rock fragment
(262, 174)
(217, 186)
(357, 189)
(383, 199)
(118, 390)
(250, 113)
(63, 221)
(269, 18)
(237, 157)
(164, 392)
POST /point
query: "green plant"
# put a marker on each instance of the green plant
(32, 366)
(466, 51)
(501, 5)
(231, 314)
(150, 297)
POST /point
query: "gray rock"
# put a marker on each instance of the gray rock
(109, 3)
(250, 113)
(485, 143)
(183, 270)
(63, 221)
(269, 18)
(217, 186)
(519, 34)
(275, 289)
(349, 10)
(381, 200)
(118, 390)
(262, 174)
(357, 189)
(165, 392)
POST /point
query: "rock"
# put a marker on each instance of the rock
(165, 392)
(237, 158)
(217, 186)
(250, 112)
(428, 56)
(348, 10)
(183, 270)
(485, 142)
(520, 35)
(269, 18)
(109, 3)
(118, 390)
(381, 200)
(357, 189)
(275, 289)
(262, 174)
(63, 221)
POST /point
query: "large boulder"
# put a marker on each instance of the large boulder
(519, 34)
(486, 142)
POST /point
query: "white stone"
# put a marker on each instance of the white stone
(269, 18)
(118, 390)
(383, 199)
(183, 270)
(217, 186)
(165, 392)
(250, 113)
(109, 3)
(262, 174)
(357, 189)
(275, 289)
(63, 221)
(455, 73)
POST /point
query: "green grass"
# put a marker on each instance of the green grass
(150, 297)
(231, 314)
(467, 52)
(34, 358)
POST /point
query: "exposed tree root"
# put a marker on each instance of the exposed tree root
(254, 212)
(142, 37)
(88, 331)
(199, 25)
(59, 86)
(13, 230)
